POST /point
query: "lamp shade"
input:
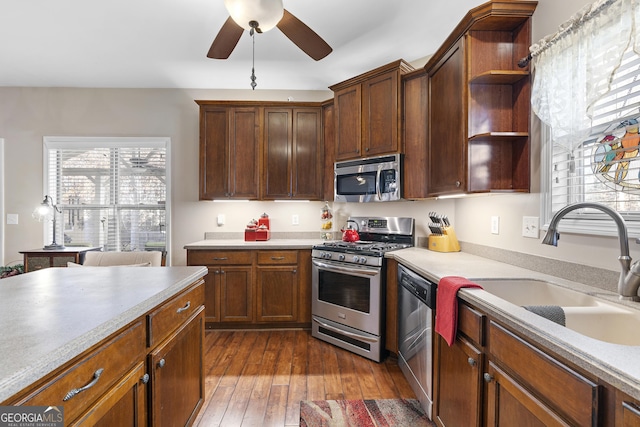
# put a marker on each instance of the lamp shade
(266, 12)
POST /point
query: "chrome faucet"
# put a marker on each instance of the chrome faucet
(629, 281)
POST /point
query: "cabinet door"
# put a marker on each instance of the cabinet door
(328, 140)
(177, 376)
(212, 295)
(458, 384)
(278, 154)
(510, 404)
(307, 156)
(277, 294)
(447, 160)
(214, 153)
(348, 122)
(244, 149)
(414, 128)
(236, 294)
(630, 415)
(125, 404)
(380, 114)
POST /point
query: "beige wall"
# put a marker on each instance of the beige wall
(28, 114)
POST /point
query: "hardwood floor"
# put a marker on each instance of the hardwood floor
(258, 378)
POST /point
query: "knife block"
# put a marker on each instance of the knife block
(447, 242)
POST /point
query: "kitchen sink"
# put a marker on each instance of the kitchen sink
(535, 292)
(585, 314)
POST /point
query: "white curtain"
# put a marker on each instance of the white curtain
(573, 68)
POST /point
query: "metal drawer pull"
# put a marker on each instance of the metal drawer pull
(224, 258)
(471, 361)
(161, 363)
(277, 258)
(96, 377)
(185, 308)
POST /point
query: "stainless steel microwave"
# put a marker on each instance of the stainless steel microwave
(372, 179)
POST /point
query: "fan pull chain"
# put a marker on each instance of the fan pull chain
(253, 59)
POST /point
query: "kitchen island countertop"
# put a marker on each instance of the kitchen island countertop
(50, 316)
(615, 364)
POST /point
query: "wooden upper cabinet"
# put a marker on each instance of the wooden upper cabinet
(293, 161)
(328, 139)
(479, 103)
(367, 112)
(415, 111)
(229, 148)
(447, 147)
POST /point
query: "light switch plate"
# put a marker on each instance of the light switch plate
(221, 220)
(12, 219)
(495, 225)
(531, 226)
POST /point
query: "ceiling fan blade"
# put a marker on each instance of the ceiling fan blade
(226, 40)
(304, 37)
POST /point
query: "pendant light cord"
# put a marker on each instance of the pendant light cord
(253, 60)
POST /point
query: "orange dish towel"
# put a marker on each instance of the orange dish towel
(447, 305)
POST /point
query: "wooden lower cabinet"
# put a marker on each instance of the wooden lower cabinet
(510, 404)
(460, 368)
(277, 285)
(148, 373)
(177, 375)
(492, 376)
(256, 288)
(627, 412)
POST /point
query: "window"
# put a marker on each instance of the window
(605, 166)
(586, 91)
(113, 192)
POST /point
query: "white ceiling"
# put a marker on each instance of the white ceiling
(163, 43)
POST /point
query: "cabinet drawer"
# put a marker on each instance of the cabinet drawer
(567, 391)
(471, 323)
(277, 257)
(172, 314)
(219, 257)
(98, 372)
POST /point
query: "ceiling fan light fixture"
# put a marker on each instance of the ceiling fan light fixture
(266, 12)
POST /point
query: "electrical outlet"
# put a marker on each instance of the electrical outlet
(295, 220)
(531, 227)
(495, 225)
(221, 220)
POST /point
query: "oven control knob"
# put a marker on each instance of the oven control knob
(363, 260)
(356, 258)
(341, 257)
(326, 255)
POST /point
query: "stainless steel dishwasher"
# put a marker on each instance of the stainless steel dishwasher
(416, 312)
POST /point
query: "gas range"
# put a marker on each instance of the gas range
(379, 235)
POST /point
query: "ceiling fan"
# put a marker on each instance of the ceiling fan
(261, 16)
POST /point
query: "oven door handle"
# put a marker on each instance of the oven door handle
(348, 270)
(343, 332)
(378, 189)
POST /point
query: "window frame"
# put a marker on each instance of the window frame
(79, 142)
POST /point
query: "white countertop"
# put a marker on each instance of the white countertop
(250, 245)
(50, 316)
(616, 364)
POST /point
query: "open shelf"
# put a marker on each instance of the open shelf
(499, 77)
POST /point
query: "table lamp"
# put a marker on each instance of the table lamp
(45, 210)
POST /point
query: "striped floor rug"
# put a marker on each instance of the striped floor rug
(363, 413)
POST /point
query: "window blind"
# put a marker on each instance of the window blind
(605, 166)
(112, 192)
